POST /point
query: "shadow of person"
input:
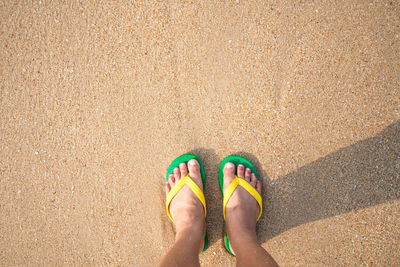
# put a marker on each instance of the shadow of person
(355, 177)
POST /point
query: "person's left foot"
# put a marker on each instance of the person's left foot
(185, 208)
(242, 209)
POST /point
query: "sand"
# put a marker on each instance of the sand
(97, 98)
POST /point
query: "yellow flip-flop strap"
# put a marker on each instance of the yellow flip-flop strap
(193, 186)
(243, 183)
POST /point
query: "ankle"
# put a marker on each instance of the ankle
(237, 221)
(190, 224)
(191, 228)
(242, 236)
(243, 242)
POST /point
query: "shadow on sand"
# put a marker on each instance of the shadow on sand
(355, 177)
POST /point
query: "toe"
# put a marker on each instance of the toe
(171, 180)
(167, 188)
(247, 174)
(194, 171)
(229, 174)
(177, 174)
(253, 180)
(184, 170)
(240, 171)
(258, 187)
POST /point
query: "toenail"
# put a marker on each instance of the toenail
(229, 165)
(192, 162)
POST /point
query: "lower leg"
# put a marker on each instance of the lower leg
(184, 252)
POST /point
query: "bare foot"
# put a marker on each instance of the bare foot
(185, 208)
(242, 209)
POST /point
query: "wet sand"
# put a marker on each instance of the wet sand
(98, 99)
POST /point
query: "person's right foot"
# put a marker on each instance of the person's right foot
(242, 209)
(185, 208)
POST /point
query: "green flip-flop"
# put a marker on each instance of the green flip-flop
(234, 184)
(189, 182)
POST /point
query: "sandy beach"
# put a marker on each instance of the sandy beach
(98, 97)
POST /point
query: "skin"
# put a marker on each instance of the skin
(241, 218)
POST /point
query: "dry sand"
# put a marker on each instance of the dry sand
(98, 98)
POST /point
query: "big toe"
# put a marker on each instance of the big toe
(229, 174)
(194, 172)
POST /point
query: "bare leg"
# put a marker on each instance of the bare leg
(188, 214)
(241, 218)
